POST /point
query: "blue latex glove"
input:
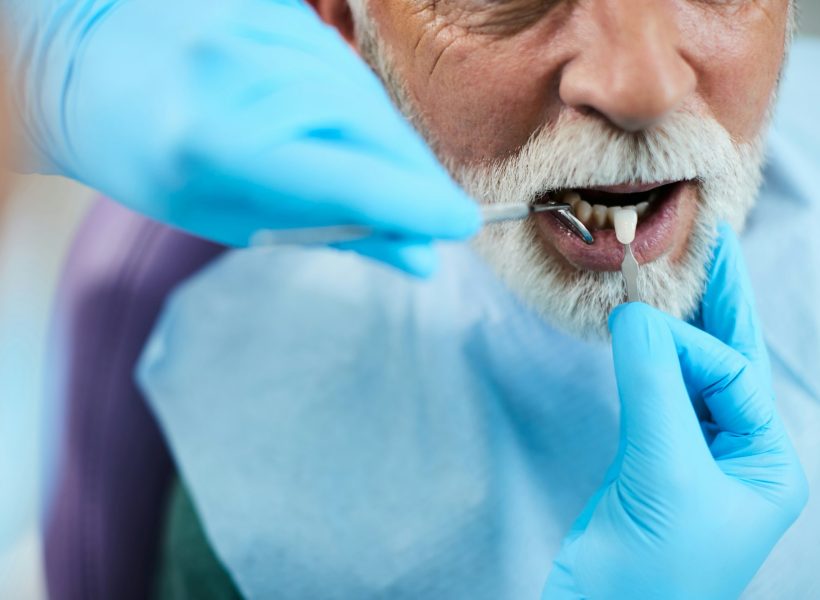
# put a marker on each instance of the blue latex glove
(688, 510)
(226, 117)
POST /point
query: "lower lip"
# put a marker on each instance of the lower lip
(654, 237)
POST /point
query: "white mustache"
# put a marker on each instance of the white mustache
(579, 152)
(583, 152)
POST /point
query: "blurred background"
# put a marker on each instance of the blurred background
(810, 17)
(37, 220)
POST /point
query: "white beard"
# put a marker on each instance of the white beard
(584, 152)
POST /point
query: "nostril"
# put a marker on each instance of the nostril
(633, 87)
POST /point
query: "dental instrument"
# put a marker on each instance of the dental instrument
(490, 214)
(575, 225)
(626, 221)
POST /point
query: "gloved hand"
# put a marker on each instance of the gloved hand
(224, 118)
(688, 510)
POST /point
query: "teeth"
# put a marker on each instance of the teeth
(610, 215)
(583, 210)
(599, 215)
(573, 199)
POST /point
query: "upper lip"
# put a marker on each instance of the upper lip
(630, 188)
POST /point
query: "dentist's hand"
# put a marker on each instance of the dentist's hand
(224, 118)
(689, 510)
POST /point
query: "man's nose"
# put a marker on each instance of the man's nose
(629, 67)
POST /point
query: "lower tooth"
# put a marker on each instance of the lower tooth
(641, 208)
(583, 210)
(599, 215)
(573, 199)
(610, 215)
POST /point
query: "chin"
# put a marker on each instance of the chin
(578, 300)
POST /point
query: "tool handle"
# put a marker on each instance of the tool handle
(340, 234)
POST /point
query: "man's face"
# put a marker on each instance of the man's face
(655, 103)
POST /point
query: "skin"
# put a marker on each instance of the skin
(486, 74)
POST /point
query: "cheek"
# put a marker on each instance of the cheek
(483, 101)
(738, 60)
(480, 96)
(483, 97)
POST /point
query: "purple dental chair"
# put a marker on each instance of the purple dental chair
(112, 472)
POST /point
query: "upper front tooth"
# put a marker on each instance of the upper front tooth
(583, 210)
(599, 215)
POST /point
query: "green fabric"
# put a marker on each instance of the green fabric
(189, 569)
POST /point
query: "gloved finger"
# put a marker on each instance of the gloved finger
(366, 188)
(413, 256)
(656, 415)
(328, 182)
(315, 103)
(361, 188)
(728, 308)
(738, 400)
(282, 37)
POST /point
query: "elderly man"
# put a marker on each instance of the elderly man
(344, 432)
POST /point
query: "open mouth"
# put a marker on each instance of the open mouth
(596, 207)
(665, 215)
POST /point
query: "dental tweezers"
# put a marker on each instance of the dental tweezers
(490, 214)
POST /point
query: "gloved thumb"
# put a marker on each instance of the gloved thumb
(658, 423)
(728, 304)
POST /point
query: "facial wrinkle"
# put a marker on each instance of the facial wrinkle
(508, 17)
(490, 17)
(439, 31)
(734, 7)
